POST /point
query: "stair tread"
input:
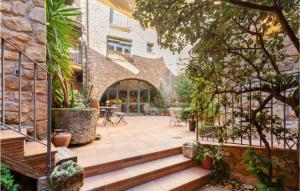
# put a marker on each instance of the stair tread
(174, 180)
(10, 134)
(132, 171)
(35, 148)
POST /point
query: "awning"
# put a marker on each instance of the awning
(125, 7)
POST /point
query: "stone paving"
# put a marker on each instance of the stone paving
(142, 134)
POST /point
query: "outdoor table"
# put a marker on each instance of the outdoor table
(107, 114)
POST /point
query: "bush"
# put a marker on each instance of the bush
(67, 175)
(7, 180)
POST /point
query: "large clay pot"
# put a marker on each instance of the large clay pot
(207, 163)
(192, 125)
(81, 123)
(61, 138)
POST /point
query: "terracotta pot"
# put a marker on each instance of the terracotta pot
(94, 104)
(192, 125)
(207, 163)
(61, 138)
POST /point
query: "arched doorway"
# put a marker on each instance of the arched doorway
(134, 95)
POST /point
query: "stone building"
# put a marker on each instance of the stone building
(124, 60)
(23, 24)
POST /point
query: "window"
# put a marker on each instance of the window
(150, 47)
(119, 20)
(118, 49)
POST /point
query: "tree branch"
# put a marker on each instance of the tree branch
(285, 24)
(251, 5)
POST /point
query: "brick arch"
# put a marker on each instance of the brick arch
(104, 72)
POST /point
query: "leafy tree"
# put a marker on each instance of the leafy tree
(233, 42)
(61, 35)
(184, 90)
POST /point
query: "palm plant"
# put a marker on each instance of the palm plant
(61, 35)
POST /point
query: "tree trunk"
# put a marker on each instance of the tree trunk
(267, 146)
(285, 24)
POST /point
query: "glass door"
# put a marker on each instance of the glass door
(123, 87)
(133, 96)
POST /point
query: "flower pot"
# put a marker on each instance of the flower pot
(207, 163)
(192, 125)
(61, 138)
(189, 151)
(94, 104)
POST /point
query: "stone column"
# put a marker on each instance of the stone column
(23, 24)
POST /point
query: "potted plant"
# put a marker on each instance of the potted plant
(67, 176)
(117, 103)
(76, 124)
(208, 156)
(154, 111)
(190, 150)
(94, 104)
(187, 114)
(146, 108)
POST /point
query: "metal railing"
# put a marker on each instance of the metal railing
(9, 48)
(231, 122)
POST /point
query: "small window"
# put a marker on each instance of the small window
(118, 19)
(117, 48)
(150, 47)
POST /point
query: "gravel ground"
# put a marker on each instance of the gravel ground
(213, 188)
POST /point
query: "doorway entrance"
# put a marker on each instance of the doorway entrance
(131, 94)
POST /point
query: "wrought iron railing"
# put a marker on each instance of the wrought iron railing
(245, 103)
(37, 69)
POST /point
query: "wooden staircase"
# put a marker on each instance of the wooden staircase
(25, 157)
(159, 171)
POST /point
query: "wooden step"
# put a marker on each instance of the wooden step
(128, 177)
(36, 155)
(35, 148)
(12, 143)
(64, 154)
(28, 158)
(186, 180)
(131, 161)
(7, 134)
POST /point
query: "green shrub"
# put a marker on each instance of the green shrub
(7, 180)
(259, 166)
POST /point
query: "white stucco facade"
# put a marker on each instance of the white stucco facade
(99, 29)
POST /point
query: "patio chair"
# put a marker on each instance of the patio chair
(174, 116)
(120, 118)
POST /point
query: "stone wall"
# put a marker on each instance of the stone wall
(233, 155)
(104, 72)
(23, 24)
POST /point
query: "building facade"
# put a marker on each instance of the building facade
(124, 60)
